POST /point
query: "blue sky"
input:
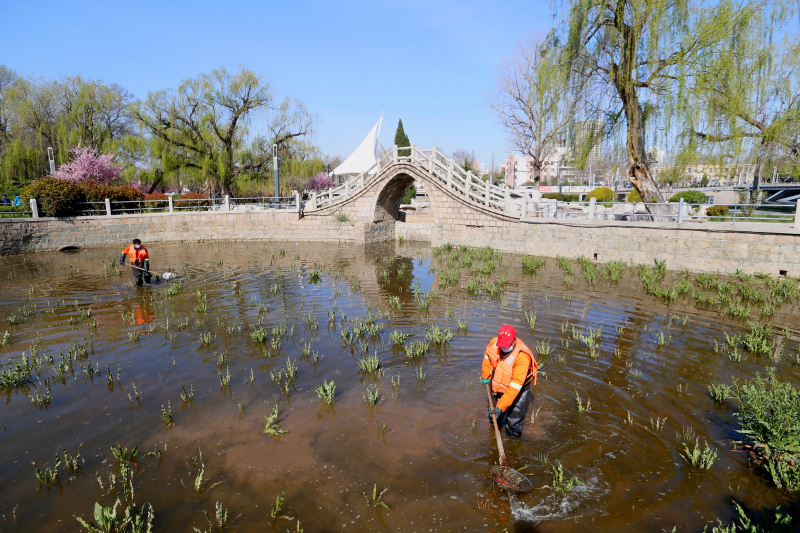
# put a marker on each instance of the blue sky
(430, 63)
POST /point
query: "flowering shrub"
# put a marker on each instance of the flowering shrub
(54, 197)
(196, 200)
(87, 164)
(156, 199)
(321, 182)
(717, 211)
(94, 191)
(124, 193)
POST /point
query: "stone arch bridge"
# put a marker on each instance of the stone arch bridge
(371, 200)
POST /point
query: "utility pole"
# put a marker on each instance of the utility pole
(275, 170)
(558, 170)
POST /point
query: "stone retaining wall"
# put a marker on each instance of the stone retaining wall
(699, 247)
(33, 235)
(708, 247)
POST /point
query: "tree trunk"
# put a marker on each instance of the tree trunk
(158, 177)
(638, 170)
(537, 173)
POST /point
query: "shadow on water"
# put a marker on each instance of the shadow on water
(426, 440)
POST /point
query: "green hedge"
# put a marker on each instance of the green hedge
(54, 197)
(602, 194)
(634, 196)
(14, 211)
(560, 198)
(690, 197)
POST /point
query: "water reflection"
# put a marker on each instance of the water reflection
(428, 440)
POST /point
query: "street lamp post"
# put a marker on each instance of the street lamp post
(275, 170)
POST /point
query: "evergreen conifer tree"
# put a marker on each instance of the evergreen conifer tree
(401, 139)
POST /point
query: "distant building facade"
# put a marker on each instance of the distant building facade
(519, 169)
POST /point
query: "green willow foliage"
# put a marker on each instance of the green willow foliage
(37, 113)
(203, 127)
(745, 101)
(645, 58)
(212, 132)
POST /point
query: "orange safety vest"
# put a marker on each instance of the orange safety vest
(504, 368)
(136, 255)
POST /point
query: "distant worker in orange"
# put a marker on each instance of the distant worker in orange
(139, 258)
(510, 367)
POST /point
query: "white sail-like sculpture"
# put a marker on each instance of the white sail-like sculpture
(367, 153)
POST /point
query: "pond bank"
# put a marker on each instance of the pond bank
(701, 247)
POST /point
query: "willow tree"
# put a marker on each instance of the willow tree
(40, 113)
(747, 101)
(536, 102)
(204, 125)
(643, 53)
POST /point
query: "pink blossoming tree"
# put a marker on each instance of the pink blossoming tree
(87, 164)
(321, 182)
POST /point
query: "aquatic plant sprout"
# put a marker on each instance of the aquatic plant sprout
(650, 346)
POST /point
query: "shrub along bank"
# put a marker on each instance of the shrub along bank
(61, 198)
(690, 197)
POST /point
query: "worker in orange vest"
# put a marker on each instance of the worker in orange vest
(140, 258)
(510, 367)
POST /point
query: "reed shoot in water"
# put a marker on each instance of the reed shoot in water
(694, 455)
(560, 484)
(395, 303)
(273, 426)
(416, 349)
(369, 364)
(275, 511)
(438, 335)
(532, 264)
(326, 392)
(187, 396)
(259, 334)
(530, 317)
(372, 396)
(376, 500)
(582, 408)
(543, 347)
(398, 337)
(166, 415)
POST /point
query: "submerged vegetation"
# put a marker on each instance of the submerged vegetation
(254, 336)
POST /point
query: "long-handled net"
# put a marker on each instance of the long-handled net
(505, 477)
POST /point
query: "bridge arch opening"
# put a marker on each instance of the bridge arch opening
(387, 207)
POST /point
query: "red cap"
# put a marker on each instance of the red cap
(506, 336)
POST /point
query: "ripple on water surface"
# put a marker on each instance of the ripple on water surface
(428, 439)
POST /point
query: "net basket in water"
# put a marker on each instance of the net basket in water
(509, 479)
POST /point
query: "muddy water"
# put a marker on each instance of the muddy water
(428, 441)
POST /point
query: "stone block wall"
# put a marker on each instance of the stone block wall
(707, 247)
(698, 247)
(32, 235)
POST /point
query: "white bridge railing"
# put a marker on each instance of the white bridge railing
(527, 204)
(440, 167)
